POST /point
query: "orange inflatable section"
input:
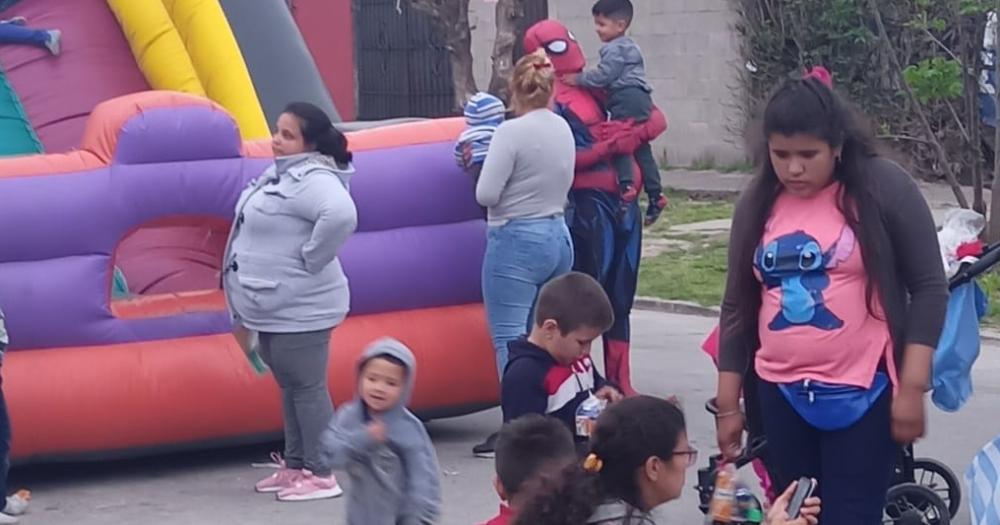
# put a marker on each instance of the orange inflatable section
(204, 392)
(100, 136)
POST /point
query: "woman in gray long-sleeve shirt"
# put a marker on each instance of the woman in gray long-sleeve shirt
(283, 280)
(834, 303)
(524, 185)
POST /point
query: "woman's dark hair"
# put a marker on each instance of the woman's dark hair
(808, 106)
(627, 434)
(318, 130)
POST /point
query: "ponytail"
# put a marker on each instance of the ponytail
(318, 131)
(533, 82)
(570, 498)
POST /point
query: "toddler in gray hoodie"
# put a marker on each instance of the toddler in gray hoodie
(388, 456)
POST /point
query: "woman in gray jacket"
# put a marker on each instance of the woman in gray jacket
(283, 280)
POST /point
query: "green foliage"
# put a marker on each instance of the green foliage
(935, 41)
(935, 79)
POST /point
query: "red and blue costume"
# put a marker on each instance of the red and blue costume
(606, 230)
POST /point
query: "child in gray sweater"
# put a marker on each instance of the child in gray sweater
(385, 449)
(622, 73)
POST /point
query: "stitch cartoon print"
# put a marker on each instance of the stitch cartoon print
(797, 264)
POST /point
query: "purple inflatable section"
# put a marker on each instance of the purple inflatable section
(412, 186)
(416, 267)
(420, 244)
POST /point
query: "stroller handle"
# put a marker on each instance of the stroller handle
(968, 272)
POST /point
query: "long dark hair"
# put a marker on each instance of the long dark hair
(809, 106)
(318, 130)
(627, 434)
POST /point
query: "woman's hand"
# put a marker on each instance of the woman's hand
(808, 515)
(729, 432)
(908, 415)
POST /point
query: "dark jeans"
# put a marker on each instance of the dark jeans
(635, 103)
(853, 466)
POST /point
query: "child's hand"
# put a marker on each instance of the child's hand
(609, 394)
(570, 79)
(376, 429)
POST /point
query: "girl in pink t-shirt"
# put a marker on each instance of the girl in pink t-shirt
(834, 303)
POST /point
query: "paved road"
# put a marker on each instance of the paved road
(213, 487)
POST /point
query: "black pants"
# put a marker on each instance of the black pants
(635, 103)
(853, 466)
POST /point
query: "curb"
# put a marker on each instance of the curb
(676, 307)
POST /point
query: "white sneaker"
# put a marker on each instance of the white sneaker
(52, 43)
(17, 504)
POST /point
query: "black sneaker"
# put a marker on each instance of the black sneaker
(486, 448)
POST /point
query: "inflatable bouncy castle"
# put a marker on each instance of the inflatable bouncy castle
(151, 190)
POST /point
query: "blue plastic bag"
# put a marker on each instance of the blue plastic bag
(958, 348)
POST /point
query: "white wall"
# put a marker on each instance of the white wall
(692, 61)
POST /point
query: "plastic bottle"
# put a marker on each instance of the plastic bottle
(586, 415)
(720, 509)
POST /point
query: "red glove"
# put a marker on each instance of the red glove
(607, 130)
(625, 143)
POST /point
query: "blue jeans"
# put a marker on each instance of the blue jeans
(15, 34)
(521, 256)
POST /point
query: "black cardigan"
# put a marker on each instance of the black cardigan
(911, 259)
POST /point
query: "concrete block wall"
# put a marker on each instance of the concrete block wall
(692, 60)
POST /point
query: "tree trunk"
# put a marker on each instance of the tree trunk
(508, 15)
(451, 19)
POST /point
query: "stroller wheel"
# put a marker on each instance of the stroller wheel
(936, 476)
(913, 504)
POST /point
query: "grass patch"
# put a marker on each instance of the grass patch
(697, 275)
(694, 270)
(990, 281)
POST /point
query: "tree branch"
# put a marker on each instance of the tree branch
(907, 138)
(942, 154)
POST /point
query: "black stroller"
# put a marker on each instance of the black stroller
(924, 491)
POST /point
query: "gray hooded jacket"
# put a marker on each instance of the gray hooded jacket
(619, 513)
(392, 483)
(281, 270)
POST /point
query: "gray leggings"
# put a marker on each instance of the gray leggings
(299, 363)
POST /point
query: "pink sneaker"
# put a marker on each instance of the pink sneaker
(282, 479)
(309, 487)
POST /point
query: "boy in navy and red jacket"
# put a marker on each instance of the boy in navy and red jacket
(550, 372)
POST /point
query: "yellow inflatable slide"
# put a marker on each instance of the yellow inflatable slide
(188, 46)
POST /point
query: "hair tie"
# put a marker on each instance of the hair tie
(593, 464)
(543, 65)
(821, 74)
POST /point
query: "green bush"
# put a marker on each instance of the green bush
(935, 41)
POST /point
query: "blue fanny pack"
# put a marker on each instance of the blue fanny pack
(833, 407)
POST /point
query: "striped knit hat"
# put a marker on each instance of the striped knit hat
(484, 109)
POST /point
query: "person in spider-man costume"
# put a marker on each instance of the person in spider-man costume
(606, 226)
